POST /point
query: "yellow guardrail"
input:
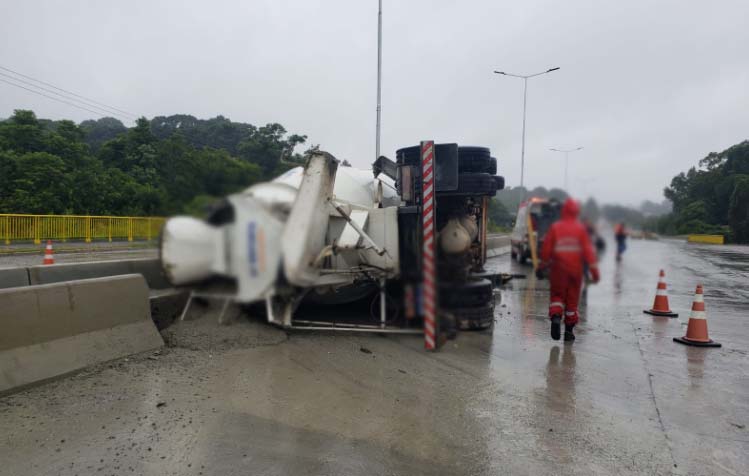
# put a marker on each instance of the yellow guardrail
(711, 239)
(14, 228)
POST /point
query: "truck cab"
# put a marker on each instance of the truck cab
(534, 218)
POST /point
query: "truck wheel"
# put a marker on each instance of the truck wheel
(474, 293)
(477, 184)
(470, 159)
(474, 318)
(476, 160)
(477, 164)
(472, 150)
(521, 257)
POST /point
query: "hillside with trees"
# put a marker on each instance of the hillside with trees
(711, 198)
(164, 166)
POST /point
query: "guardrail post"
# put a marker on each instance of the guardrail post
(7, 230)
(88, 229)
(109, 228)
(129, 229)
(148, 232)
(37, 239)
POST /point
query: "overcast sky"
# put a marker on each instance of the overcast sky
(646, 87)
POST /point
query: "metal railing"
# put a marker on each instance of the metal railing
(19, 228)
(710, 239)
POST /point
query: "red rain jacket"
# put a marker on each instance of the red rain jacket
(567, 245)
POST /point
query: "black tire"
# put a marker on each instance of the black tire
(408, 155)
(471, 159)
(500, 182)
(474, 293)
(467, 150)
(477, 164)
(474, 318)
(522, 258)
(477, 184)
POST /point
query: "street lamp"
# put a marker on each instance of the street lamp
(566, 162)
(379, 78)
(525, 101)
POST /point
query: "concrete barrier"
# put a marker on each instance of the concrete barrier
(148, 267)
(497, 245)
(167, 305)
(13, 277)
(54, 329)
(709, 239)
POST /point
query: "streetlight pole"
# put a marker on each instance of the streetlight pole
(379, 78)
(566, 162)
(525, 103)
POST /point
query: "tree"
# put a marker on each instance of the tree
(101, 130)
(39, 185)
(738, 213)
(704, 199)
(591, 210)
(22, 132)
(498, 214)
(157, 167)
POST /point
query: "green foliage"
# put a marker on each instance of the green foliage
(268, 146)
(713, 198)
(738, 211)
(591, 211)
(499, 217)
(96, 133)
(159, 167)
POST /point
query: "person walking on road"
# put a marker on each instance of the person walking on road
(620, 233)
(566, 250)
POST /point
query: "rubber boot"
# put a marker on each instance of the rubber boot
(569, 336)
(556, 325)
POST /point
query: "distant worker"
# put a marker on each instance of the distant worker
(620, 233)
(598, 242)
(566, 250)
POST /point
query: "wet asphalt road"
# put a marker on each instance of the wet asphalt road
(248, 399)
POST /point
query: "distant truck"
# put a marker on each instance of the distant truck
(535, 216)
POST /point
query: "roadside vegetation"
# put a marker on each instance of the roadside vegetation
(711, 198)
(163, 166)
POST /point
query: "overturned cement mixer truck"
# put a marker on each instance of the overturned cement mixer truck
(328, 234)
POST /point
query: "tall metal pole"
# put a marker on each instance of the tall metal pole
(525, 104)
(522, 146)
(566, 162)
(379, 78)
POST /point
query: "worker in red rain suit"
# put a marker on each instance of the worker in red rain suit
(566, 248)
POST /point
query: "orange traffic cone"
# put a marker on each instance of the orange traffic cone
(697, 327)
(660, 305)
(49, 258)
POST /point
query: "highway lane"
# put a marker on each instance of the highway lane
(83, 253)
(248, 399)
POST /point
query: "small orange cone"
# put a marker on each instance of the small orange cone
(49, 257)
(660, 305)
(697, 327)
